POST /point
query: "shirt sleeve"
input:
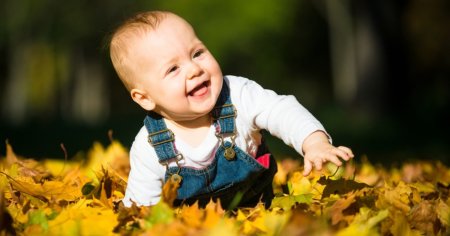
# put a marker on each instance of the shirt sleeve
(146, 175)
(282, 115)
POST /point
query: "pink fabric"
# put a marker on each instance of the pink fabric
(264, 160)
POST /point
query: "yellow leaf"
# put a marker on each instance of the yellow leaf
(395, 176)
(275, 222)
(401, 227)
(26, 185)
(15, 210)
(281, 175)
(45, 198)
(214, 213)
(424, 187)
(176, 228)
(120, 161)
(225, 227)
(59, 167)
(113, 157)
(103, 199)
(285, 167)
(61, 191)
(241, 216)
(443, 212)
(3, 182)
(364, 223)
(260, 223)
(399, 196)
(192, 215)
(336, 210)
(247, 228)
(267, 222)
(396, 198)
(118, 195)
(286, 202)
(367, 173)
(11, 157)
(80, 219)
(47, 190)
(169, 192)
(299, 184)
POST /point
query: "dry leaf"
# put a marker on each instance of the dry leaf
(169, 192)
(336, 210)
(45, 197)
(402, 227)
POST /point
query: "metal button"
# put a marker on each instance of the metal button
(229, 153)
(176, 178)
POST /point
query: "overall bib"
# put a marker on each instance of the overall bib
(232, 171)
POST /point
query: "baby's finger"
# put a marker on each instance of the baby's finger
(335, 160)
(318, 163)
(341, 153)
(307, 168)
(347, 150)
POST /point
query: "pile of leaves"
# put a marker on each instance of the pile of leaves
(83, 197)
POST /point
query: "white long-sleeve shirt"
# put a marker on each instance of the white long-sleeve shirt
(257, 109)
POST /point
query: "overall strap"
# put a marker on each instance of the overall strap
(160, 137)
(224, 113)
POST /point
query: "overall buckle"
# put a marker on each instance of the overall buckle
(151, 137)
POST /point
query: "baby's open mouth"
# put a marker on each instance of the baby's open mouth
(200, 89)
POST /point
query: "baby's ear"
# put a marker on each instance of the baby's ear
(143, 99)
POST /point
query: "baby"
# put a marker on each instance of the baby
(202, 129)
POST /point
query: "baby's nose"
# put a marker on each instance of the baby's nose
(194, 70)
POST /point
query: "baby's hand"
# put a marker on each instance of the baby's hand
(317, 150)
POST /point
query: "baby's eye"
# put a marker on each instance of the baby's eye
(172, 69)
(198, 53)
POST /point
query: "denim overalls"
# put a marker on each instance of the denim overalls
(231, 172)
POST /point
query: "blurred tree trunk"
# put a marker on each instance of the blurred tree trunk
(342, 45)
(357, 57)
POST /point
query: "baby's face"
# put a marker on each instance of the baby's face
(177, 71)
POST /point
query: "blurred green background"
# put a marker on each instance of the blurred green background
(374, 72)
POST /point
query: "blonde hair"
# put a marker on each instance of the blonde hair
(136, 26)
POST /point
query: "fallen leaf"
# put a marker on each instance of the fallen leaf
(169, 192)
(6, 221)
(443, 212)
(214, 213)
(401, 227)
(336, 210)
(286, 202)
(299, 184)
(339, 186)
(192, 216)
(364, 223)
(424, 218)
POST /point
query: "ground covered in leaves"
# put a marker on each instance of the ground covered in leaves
(82, 197)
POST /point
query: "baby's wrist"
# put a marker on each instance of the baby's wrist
(315, 138)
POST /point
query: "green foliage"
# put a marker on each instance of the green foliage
(38, 217)
(161, 213)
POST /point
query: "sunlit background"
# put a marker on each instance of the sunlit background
(375, 73)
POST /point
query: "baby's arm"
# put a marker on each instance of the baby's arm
(144, 189)
(284, 117)
(146, 175)
(318, 150)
